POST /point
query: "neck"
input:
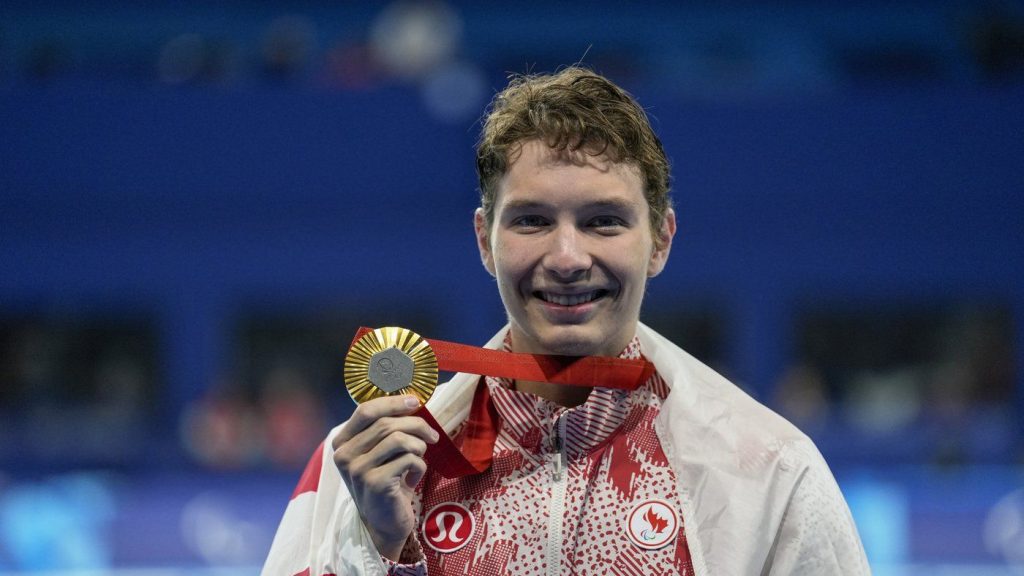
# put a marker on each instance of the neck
(568, 396)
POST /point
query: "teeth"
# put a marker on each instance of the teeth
(569, 300)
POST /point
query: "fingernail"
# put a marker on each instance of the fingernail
(411, 402)
(435, 435)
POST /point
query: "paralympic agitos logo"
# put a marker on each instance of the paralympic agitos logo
(652, 524)
(658, 525)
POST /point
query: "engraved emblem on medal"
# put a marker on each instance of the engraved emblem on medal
(390, 361)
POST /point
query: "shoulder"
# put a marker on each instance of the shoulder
(726, 443)
(704, 401)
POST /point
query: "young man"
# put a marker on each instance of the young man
(685, 474)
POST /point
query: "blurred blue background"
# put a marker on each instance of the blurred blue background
(200, 202)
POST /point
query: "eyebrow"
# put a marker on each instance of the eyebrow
(523, 205)
(606, 204)
(612, 204)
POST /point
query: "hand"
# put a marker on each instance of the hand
(380, 452)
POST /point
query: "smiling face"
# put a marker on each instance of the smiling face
(572, 248)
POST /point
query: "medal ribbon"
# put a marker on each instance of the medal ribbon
(480, 426)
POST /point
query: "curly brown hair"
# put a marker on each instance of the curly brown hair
(574, 109)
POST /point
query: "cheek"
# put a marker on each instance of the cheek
(509, 275)
(634, 262)
(645, 264)
(509, 258)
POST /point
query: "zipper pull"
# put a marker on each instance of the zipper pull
(556, 442)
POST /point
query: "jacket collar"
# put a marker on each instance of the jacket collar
(451, 401)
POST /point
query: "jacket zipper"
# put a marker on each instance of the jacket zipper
(557, 509)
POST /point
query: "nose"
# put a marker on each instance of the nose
(567, 257)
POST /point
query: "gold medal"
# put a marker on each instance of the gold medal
(390, 361)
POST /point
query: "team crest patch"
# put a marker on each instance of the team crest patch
(652, 524)
(448, 527)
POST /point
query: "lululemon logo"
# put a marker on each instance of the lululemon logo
(448, 527)
(652, 524)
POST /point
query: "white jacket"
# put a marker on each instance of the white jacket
(757, 497)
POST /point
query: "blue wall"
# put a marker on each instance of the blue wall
(192, 205)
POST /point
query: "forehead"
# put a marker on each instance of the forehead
(543, 173)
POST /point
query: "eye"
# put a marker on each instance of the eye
(607, 223)
(529, 222)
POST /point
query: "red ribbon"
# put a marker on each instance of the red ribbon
(477, 450)
(480, 428)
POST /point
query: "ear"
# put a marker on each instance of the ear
(483, 240)
(662, 244)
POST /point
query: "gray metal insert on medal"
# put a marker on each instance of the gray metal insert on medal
(391, 370)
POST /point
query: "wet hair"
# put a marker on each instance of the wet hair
(572, 110)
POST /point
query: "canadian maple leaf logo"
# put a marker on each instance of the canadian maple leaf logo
(658, 524)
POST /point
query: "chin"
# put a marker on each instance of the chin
(571, 349)
(572, 344)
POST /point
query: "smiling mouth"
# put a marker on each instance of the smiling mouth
(570, 299)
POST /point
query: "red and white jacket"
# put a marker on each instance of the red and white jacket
(685, 475)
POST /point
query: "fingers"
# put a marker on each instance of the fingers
(384, 440)
(385, 433)
(380, 430)
(414, 472)
(369, 412)
(410, 467)
(395, 446)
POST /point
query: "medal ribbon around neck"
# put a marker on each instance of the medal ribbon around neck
(394, 361)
